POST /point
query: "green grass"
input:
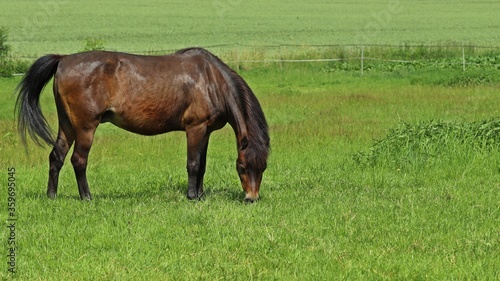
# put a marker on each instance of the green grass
(322, 216)
(64, 26)
(361, 184)
(418, 145)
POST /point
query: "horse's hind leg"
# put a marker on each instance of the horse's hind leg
(83, 142)
(65, 138)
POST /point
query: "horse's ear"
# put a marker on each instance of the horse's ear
(243, 143)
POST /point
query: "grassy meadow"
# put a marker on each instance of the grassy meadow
(393, 175)
(323, 214)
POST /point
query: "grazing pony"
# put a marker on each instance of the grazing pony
(191, 90)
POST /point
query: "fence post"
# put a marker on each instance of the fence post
(237, 61)
(463, 57)
(362, 58)
(281, 58)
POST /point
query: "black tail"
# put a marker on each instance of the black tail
(29, 113)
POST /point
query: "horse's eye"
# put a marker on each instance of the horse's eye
(241, 168)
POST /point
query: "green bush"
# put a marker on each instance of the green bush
(5, 68)
(4, 48)
(93, 44)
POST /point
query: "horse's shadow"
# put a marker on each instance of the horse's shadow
(170, 192)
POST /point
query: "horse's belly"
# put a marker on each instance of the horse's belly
(143, 124)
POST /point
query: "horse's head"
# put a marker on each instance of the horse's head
(250, 166)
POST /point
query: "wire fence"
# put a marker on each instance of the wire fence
(455, 55)
(461, 55)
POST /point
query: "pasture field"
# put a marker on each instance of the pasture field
(61, 26)
(393, 175)
(324, 215)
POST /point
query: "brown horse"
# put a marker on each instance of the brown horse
(191, 90)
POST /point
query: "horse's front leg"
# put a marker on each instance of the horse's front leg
(197, 144)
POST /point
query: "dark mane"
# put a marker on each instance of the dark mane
(258, 139)
(257, 128)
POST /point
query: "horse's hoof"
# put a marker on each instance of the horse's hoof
(85, 197)
(191, 196)
(197, 196)
(51, 195)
